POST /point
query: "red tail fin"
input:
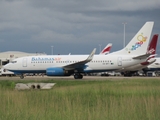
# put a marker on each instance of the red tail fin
(106, 50)
(153, 44)
(151, 49)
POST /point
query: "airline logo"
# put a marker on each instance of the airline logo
(141, 40)
(45, 59)
(151, 51)
(41, 59)
(106, 50)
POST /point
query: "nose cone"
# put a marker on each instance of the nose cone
(7, 66)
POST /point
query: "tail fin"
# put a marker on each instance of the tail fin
(106, 50)
(151, 50)
(152, 47)
(153, 44)
(139, 43)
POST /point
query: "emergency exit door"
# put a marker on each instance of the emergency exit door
(119, 61)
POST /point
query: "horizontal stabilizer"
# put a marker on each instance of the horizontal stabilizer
(148, 62)
(142, 56)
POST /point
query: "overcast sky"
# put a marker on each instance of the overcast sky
(73, 26)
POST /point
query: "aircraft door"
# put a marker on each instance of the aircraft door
(119, 61)
(24, 62)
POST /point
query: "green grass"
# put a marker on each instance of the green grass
(137, 99)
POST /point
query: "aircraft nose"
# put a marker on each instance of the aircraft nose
(7, 66)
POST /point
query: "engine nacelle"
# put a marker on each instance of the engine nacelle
(57, 72)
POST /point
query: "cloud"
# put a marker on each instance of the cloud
(75, 23)
(51, 36)
(100, 5)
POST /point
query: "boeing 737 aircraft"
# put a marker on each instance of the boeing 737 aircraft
(65, 65)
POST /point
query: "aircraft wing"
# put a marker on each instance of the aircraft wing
(79, 65)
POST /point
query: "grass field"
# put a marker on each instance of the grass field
(133, 99)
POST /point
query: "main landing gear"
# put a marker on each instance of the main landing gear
(21, 76)
(129, 73)
(78, 76)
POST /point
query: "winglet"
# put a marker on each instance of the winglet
(90, 57)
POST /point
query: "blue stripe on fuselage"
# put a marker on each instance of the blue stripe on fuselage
(27, 71)
(44, 71)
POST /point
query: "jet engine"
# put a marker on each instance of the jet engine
(57, 72)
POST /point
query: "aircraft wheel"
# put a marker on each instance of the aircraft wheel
(75, 76)
(78, 76)
(21, 76)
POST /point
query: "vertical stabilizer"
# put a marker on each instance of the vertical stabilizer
(106, 50)
(151, 50)
(153, 44)
(139, 43)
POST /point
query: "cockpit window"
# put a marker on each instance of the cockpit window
(157, 64)
(13, 61)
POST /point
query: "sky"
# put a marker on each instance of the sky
(73, 26)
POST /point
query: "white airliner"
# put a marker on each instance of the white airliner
(66, 65)
(106, 50)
